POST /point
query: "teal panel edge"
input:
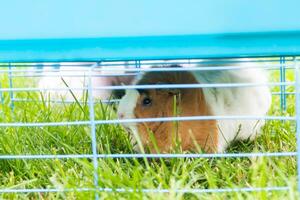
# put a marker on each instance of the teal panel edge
(152, 47)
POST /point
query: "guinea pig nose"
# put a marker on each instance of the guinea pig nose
(121, 115)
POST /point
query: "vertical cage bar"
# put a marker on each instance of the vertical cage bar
(11, 93)
(1, 95)
(2, 102)
(93, 129)
(297, 119)
(137, 64)
(282, 87)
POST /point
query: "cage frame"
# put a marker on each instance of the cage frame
(275, 33)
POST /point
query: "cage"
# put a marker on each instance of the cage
(61, 137)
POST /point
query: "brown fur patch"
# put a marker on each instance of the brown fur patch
(189, 102)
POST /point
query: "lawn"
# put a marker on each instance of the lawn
(173, 174)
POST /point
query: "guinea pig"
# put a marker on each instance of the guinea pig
(212, 135)
(78, 77)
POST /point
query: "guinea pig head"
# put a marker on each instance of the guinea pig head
(164, 136)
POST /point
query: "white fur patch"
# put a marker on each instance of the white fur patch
(126, 109)
(127, 104)
(74, 77)
(233, 101)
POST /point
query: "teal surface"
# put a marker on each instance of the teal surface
(154, 47)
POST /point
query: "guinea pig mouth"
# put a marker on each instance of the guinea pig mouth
(133, 136)
(132, 139)
(127, 129)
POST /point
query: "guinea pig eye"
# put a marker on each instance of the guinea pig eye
(147, 101)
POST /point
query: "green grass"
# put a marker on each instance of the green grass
(172, 174)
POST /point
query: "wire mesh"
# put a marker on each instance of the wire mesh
(92, 71)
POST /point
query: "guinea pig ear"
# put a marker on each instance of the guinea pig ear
(170, 91)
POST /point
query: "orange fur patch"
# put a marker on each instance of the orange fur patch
(170, 103)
